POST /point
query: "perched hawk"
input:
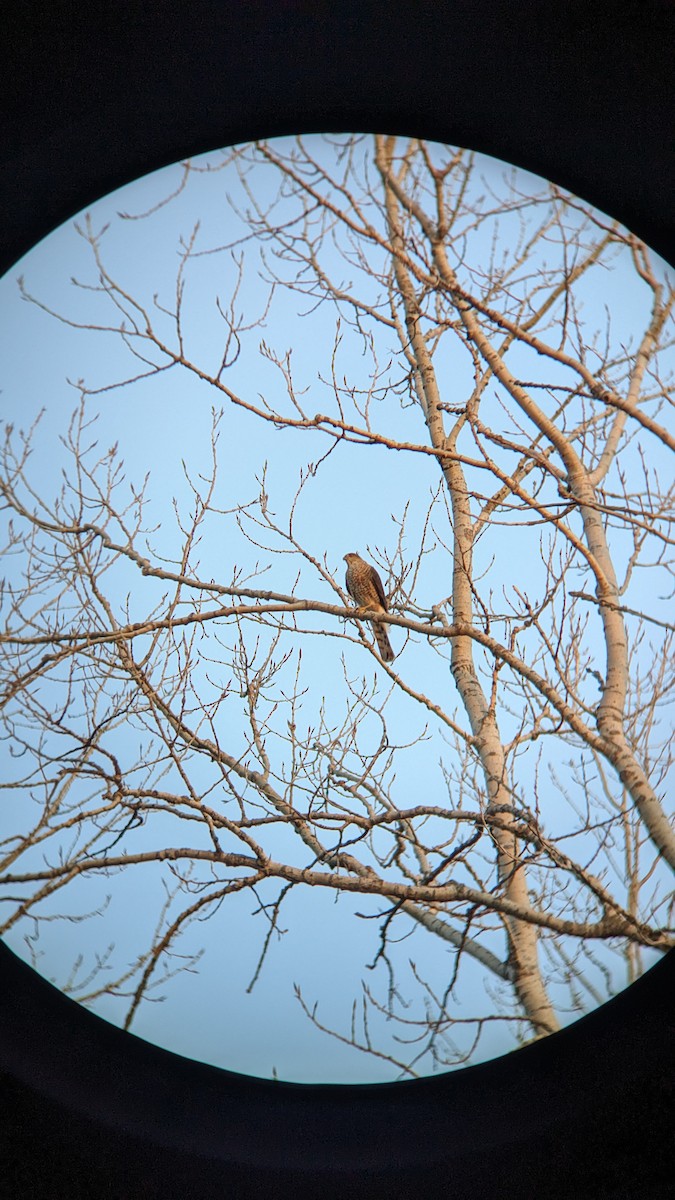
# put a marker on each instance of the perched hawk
(365, 588)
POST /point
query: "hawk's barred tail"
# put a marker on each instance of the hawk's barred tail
(383, 643)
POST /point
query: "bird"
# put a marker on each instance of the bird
(365, 588)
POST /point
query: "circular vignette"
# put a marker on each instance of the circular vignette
(46, 198)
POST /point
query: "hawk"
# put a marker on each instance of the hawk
(365, 588)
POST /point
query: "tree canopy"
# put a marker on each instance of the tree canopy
(463, 374)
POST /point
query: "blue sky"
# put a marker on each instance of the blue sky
(354, 503)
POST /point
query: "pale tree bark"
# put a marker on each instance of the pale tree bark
(522, 937)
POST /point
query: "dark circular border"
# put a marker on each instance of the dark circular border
(96, 95)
